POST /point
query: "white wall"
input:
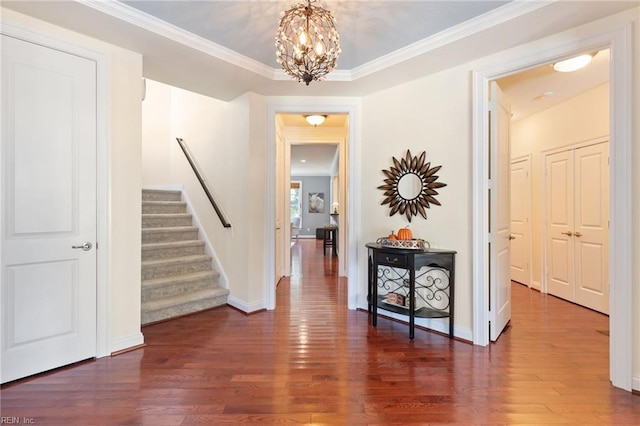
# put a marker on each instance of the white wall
(227, 143)
(124, 177)
(579, 119)
(432, 114)
(156, 138)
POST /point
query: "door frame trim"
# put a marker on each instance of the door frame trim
(617, 37)
(101, 60)
(529, 159)
(352, 197)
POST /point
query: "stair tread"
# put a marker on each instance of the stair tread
(181, 278)
(170, 229)
(164, 215)
(160, 191)
(182, 299)
(178, 278)
(172, 244)
(176, 260)
(160, 202)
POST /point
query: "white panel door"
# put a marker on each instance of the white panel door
(591, 235)
(48, 288)
(500, 265)
(559, 205)
(520, 227)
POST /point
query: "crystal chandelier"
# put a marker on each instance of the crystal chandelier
(307, 42)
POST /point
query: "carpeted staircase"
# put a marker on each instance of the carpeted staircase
(177, 277)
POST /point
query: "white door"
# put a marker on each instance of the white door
(577, 197)
(591, 225)
(500, 270)
(520, 226)
(280, 201)
(48, 288)
(559, 205)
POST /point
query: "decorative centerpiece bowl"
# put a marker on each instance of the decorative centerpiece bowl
(413, 244)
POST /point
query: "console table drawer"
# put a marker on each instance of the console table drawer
(392, 259)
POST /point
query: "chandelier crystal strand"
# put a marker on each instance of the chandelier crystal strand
(307, 42)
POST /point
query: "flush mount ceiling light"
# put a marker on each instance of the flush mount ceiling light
(307, 42)
(573, 64)
(315, 120)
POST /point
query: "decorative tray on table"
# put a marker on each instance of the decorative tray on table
(415, 244)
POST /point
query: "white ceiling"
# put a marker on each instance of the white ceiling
(368, 29)
(543, 87)
(226, 48)
(313, 159)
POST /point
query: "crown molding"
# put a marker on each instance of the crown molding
(465, 29)
(468, 28)
(150, 23)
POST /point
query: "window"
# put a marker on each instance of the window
(296, 204)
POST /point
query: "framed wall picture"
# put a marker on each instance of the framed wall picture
(316, 202)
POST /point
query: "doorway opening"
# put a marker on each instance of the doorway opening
(315, 160)
(618, 40)
(559, 131)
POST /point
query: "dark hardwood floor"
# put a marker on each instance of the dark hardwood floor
(312, 361)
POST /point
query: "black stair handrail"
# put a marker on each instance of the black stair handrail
(203, 184)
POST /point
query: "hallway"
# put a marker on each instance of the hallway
(314, 361)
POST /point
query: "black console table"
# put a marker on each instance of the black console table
(417, 283)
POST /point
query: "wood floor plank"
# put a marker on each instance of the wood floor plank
(313, 361)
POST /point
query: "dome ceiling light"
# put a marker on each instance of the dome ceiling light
(315, 120)
(573, 64)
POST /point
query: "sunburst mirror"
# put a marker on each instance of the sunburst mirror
(410, 186)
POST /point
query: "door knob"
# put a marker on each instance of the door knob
(569, 233)
(577, 234)
(511, 237)
(86, 246)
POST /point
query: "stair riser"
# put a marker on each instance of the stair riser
(148, 195)
(178, 287)
(159, 271)
(163, 208)
(174, 311)
(167, 253)
(160, 222)
(165, 237)
(173, 293)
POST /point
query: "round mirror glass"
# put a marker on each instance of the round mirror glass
(409, 186)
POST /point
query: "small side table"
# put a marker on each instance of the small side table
(393, 270)
(329, 239)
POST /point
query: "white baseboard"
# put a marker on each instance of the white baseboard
(635, 383)
(536, 285)
(243, 306)
(127, 342)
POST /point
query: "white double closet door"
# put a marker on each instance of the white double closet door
(577, 225)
